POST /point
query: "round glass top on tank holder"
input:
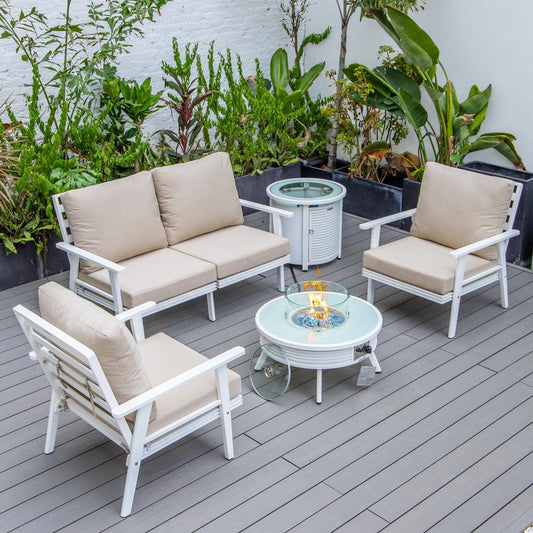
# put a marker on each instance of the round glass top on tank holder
(315, 230)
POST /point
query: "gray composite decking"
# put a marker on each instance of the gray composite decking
(442, 441)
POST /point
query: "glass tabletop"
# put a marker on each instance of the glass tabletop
(305, 189)
(363, 322)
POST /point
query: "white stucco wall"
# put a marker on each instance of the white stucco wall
(249, 28)
(481, 42)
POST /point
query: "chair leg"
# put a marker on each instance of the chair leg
(134, 459)
(370, 291)
(454, 315)
(53, 419)
(504, 293)
(281, 278)
(225, 410)
(211, 307)
(456, 298)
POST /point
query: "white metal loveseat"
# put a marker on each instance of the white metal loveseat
(143, 394)
(461, 228)
(168, 235)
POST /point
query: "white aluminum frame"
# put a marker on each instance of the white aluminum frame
(113, 300)
(79, 384)
(461, 285)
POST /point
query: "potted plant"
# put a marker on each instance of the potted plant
(368, 133)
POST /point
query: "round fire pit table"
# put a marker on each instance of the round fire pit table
(347, 344)
(315, 230)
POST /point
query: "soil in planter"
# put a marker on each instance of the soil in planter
(316, 167)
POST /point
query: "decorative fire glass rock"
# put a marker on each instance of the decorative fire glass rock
(317, 304)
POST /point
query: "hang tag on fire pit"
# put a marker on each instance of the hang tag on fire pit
(367, 375)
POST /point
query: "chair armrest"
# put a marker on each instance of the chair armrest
(489, 241)
(387, 220)
(375, 225)
(135, 317)
(89, 256)
(135, 311)
(153, 394)
(266, 208)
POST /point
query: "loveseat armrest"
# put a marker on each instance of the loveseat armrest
(150, 396)
(113, 269)
(80, 253)
(375, 225)
(274, 211)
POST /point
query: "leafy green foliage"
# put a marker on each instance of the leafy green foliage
(185, 100)
(367, 132)
(347, 9)
(66, 61)
(458, 121)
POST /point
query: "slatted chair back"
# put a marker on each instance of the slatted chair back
(77, 379)
(513, 208)
(62, 219)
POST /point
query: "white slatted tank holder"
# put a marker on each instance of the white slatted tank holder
(315, 230)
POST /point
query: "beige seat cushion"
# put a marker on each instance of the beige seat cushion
(236, 248)
(458, 207)
(116, 220)
(165, 358)
(157, 276)
(197, 197)
(110, 340)
(421, 263)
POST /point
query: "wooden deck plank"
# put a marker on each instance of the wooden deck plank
(461, 445)
(444, 501)
(473, 512)
(517, 515)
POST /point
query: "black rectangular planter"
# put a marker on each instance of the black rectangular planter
(369, 199)
(19, 268)
(26, 265)
(316, 168)
(253, 187)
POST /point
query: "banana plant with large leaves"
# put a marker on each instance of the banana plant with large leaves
(458, 122)
(280, 77)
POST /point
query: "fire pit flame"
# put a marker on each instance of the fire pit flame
(317, 308)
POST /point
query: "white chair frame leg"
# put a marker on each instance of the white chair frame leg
(281, 278)
(225, 411)
(53, 419)
(504, 293)
(211, 307)
(134, 458)
(456, 298)
(370, 291)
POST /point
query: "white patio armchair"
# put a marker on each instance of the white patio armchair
(459, 236)
(143, 394)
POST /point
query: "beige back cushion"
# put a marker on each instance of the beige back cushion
(197, 197)
(458, 207)
(110, 340)
(116, 220)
